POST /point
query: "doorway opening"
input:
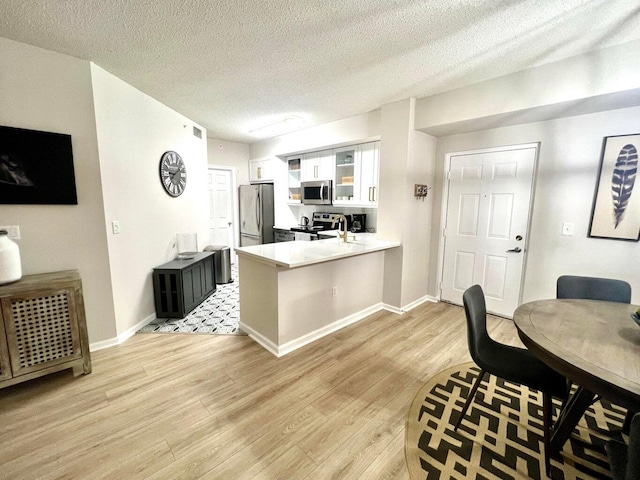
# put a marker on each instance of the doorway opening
(223, 216)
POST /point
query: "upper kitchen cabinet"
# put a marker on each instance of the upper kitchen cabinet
(261, 170)
(294, 169)
(317, 166)
(369, 172)
(343, 185)
(356, 175)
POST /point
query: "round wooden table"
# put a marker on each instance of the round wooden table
(594, 344)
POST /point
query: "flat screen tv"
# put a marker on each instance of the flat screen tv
(36, 168)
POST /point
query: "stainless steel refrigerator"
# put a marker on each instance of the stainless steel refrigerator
(256, 214)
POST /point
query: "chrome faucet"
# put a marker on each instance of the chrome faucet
(336, 218)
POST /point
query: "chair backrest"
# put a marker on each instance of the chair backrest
(477, 335)
(591, 288)
(633, 459)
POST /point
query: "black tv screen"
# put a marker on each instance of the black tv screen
(36, 168)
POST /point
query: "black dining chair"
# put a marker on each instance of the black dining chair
(517, 365)
(592, 288)
(625, 459)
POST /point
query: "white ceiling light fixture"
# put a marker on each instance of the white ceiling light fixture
(286, 125)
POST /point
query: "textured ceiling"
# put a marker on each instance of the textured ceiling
(233, 65)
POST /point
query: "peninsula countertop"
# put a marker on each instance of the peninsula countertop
(300, 253)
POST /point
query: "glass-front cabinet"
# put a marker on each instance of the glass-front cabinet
(345, 172)
(294, 169)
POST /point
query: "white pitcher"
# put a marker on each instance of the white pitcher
(10, 268)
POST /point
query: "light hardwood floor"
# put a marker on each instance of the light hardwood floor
(221, 407)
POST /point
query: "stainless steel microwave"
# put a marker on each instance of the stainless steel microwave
(318, 192)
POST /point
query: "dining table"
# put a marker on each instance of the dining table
(595, 344)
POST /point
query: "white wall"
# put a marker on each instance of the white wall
(134, 130)
(230, 154)
(43, 90)
(566, 179)
(596, 81)
(406, 158)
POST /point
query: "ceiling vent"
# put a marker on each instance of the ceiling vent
(197, 132)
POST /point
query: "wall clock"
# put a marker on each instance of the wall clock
(173, 173)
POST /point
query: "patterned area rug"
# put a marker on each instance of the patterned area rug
(501, 435)
(219, 314)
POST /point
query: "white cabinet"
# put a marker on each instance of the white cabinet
(369, 172)
(317, 166)
(356, 175)
(261, 170)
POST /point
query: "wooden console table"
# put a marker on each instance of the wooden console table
(43, 328)
(181, 285)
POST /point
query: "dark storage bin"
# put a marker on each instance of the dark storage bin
(222, 262)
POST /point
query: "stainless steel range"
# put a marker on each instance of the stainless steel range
(325, 221)
(320, 222)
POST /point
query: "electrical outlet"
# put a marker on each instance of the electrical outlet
(334, 292)
(115, 227)
(567, 228)
(13, 231)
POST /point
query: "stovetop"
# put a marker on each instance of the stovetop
(308, 228)
(320, 221)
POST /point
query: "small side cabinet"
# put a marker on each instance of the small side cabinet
(181, 285)
(43, 327)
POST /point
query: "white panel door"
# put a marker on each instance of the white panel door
(220, 208)
(486, 226)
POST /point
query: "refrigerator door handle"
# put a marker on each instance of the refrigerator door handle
(258, 210)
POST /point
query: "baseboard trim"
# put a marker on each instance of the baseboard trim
(268, 344)
(260, 339)
(123, 337)
(392, 309)
(420, 301)
(299, 342)
(410, 306)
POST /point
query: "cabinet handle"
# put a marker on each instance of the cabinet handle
(370, 198)
(375, 194)
(315, 171)
(259, 172)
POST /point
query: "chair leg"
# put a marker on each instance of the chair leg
(472, 394)
(547, 404)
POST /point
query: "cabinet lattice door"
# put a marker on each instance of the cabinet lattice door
(43, 328)
(40, 331)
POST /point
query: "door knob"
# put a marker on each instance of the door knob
(516, 250)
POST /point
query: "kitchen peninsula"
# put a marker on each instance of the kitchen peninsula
(293, 293)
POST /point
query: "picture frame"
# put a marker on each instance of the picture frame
(615, 213)
(36, 168)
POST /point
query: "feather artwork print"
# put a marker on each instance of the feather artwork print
(624, 176)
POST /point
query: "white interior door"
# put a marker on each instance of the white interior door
(487, 222)
(221, 220)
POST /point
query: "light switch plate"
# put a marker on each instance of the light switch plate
(13, 231)
(115, 227)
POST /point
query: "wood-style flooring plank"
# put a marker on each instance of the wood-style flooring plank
(221, 407)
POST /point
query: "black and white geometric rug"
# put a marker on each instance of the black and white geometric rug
(219, 314)
(501, 435)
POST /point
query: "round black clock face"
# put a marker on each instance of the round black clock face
(173, 173)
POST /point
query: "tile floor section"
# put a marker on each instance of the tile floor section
(219, 314)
